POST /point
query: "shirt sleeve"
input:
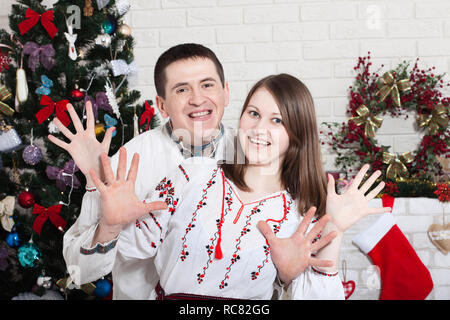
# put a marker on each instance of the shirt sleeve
(142, 239)
(312, 284)
(91, 261)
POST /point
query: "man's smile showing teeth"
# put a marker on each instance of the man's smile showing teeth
(259, 142)
(199, 114)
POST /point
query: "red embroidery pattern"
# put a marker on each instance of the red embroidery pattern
(167, 190)
(235, 256)
(276, 228)
(191, 225)
(210, 247)
(184, 172)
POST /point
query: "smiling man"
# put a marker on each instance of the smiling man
(191, 94)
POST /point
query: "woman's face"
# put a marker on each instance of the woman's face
(262, 135)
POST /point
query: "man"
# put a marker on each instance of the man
(192, 93)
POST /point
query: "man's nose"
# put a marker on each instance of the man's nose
(197, 98)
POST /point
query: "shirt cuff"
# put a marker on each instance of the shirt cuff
(102, 248)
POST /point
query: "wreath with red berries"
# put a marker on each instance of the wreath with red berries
(395, 92)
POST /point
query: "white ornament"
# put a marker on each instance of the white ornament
(21, 86)
(112, 100)
(71, 38)
(48, 4)
(103, 40)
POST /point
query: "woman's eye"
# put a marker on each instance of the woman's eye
(277, 120)
(253, 113)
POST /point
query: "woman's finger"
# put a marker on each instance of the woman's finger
(97, 182)
(372, 194)
(134, 168)
(369, 182)
(107, 170)
(359, 177)
(320, 263)
(306, 221)
(59, 142)
(331, 189)
(74, 116)
(379, 210)
(318, 227)
(66, 132)
(323, 241)
(122, 167)
(267, 232)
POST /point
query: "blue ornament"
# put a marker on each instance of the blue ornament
(103, 288)
(28, 255)
(109, 25)
(13, 240)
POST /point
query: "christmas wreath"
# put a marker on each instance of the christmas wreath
(395, 92)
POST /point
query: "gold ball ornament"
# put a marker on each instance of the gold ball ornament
(125, 29)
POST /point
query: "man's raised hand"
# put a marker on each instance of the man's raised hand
(84, 148)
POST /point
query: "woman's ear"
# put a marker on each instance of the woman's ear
(160, 104)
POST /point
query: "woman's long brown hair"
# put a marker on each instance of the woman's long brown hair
(302, 174)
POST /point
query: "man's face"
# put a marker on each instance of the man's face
(195, 99)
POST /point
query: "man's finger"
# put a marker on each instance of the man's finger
(107, 138)
(156, 205)
(66, 132)
(90, 123)
(74, 116)
(58, 142)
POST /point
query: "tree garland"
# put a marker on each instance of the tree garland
(395, 92)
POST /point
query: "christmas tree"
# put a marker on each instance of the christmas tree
(58, 52)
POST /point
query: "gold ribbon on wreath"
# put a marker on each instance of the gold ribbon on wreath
(397, 165)
(5, 95)
(370, 121)
(439, 118)
(390, 86)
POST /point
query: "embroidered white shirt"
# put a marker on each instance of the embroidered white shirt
(207, 241)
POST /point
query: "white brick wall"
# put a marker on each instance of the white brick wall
(319, 42)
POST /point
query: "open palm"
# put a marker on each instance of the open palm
(120, 205)
(348, 208)
(292, 255)
(84, 147)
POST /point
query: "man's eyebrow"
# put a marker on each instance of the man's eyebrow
(180, 84)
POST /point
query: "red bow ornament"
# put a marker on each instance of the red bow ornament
(61, 108)
(147, 116)
(51, 213)
(32, 18)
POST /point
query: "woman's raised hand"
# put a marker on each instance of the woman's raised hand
(292, 255)
(348, 208)
(120, 205)
(84, 148)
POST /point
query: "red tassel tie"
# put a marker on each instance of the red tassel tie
(218, 254)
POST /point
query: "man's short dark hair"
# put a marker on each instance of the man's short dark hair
(182, 52)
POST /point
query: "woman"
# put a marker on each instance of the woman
(205, 241)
